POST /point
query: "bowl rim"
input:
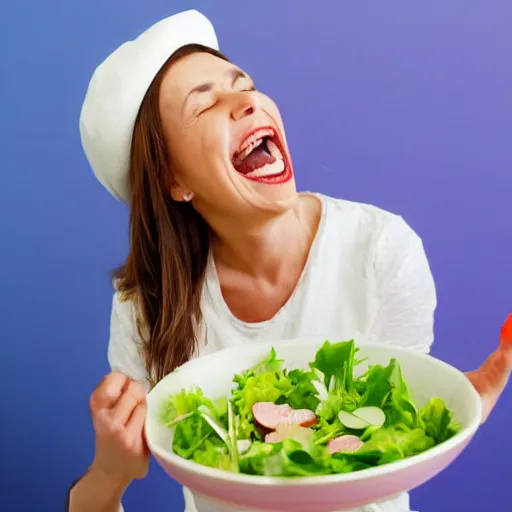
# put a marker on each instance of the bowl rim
(195, 469)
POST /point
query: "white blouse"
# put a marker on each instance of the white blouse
(367, 277)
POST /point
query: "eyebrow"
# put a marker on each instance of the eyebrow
(208, 86)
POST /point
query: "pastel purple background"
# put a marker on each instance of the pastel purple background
(407, 105)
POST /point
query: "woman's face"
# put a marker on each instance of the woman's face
(226, 140)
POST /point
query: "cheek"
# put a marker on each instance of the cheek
(183, 152)
(214, 144)
(201, 158)
(269, 105)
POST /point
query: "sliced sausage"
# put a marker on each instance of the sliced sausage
(344, 444)
(270, 415)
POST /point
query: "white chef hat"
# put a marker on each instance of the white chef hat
(117, 89)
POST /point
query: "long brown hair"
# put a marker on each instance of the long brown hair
(169, 244)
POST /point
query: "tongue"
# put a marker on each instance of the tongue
(256, 159)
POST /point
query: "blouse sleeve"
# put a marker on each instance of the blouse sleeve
(125, 345)
(405, 288)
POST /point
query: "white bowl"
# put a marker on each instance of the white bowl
(426, 377)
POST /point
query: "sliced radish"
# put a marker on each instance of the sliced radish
(372, 415)
(270, 415)
(243, 445)
(351, 421)
(344, 444)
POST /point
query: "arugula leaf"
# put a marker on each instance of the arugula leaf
(336, 361)
(378, 385)
(386, 388)
(303, 394)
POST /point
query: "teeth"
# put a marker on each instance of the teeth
(249, 149)
(254, 138)
(274, 150)
(268, 170)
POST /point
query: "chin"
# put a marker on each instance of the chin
(270, 200)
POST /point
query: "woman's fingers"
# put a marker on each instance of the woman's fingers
(136, 422)
(109, 391)
(117, 403)
(131, 397)
(104, 426)
(118, 409)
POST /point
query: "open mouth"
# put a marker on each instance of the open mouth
(261, 157)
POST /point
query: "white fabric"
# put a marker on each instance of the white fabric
(367, 276)
(118, 86)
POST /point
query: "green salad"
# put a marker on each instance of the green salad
(318, 421)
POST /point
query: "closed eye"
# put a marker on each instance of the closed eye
(201, 109)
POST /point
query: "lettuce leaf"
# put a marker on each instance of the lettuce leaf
(192, 431)
(393, 444)
(213, 452)
(288, 458)
(336, 361)
(303, 394)
(437, 420)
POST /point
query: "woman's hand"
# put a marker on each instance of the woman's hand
(118, 410)
(492, 377)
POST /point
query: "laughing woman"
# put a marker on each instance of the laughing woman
(223, 249)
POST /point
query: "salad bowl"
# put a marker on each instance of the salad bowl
(421, 378)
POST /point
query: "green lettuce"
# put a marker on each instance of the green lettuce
(194, 437)
(288, 458)
(268, 381)
(207, 431)
(437, 421)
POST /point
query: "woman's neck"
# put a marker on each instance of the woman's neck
(269, 249)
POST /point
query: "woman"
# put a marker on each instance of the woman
(223, 250)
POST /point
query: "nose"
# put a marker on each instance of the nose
(244, 105)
